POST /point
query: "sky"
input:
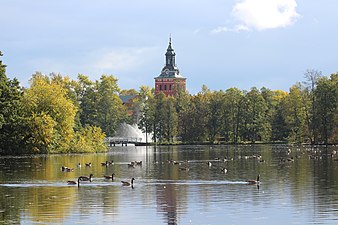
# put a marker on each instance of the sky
(219, 43)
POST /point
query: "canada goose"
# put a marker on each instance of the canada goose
(131, 165)
(254, 181)
(71, 182)
(184, 168)
(291, 159)
(224, 170)
(66, 169)
(110, 177)
(88, 164)
(126, 183)
(209, 164)
(85, 178)
(79, 165)
(105, 163)
(139, 163)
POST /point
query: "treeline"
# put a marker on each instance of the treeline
(307, 114)
(57, 114)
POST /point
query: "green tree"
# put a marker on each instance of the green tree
(214, 115)
(310, 102)
(326, 100)
(279, 127)
(146, 109)
(11, 119)
(110, 109)
(257, 127)
(295, 115)
(100, 104)
(232, 114)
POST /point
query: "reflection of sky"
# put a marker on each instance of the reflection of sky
(299, 192)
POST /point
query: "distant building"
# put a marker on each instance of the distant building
(170, 81)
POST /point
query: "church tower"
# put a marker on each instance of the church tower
(170, 81)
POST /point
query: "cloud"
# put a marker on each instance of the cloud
(121, 59)
(265, 14)
(237, 28)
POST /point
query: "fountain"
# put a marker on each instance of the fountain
(131, 131)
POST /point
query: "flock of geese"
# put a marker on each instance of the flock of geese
(86, 178)
(183, 165)
(90, 177)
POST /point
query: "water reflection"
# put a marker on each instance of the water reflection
(299, 185)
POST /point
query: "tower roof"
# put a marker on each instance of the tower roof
(170, 69)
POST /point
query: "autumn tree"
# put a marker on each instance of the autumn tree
(51, 115)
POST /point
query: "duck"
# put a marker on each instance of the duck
(85, 178)
(109, 177)
(254, 181)
(126, 183)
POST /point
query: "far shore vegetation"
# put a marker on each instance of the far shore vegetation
(56, 114)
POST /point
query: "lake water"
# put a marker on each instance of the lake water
(299, 185)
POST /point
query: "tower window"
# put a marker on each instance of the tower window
(160, 87)
(169, 86)
(165, 87)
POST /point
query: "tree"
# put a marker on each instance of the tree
(326, 100)
(11, 120)
(295, 114)
(311, 77)
(110, 109)
(49, 109)
(257, 127)
(100, 104)
(146, 110)
(170, 119)
(279, 128)
(214, 117)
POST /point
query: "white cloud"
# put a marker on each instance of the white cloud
(122, 59)
(237, 28)
(265, 14)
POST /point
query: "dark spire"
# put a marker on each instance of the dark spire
(170, 55)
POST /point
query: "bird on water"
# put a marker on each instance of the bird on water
(85, 178)
(109, 177)
(257, 181)
(126, 183)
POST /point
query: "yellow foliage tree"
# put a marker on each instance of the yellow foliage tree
(51, 114)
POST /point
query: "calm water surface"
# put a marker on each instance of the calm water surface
(299, 185)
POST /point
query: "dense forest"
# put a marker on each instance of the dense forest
(56, 114)
(307, 114)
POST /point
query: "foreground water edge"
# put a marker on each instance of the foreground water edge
(174, 185)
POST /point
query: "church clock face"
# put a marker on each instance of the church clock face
(166, 71)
